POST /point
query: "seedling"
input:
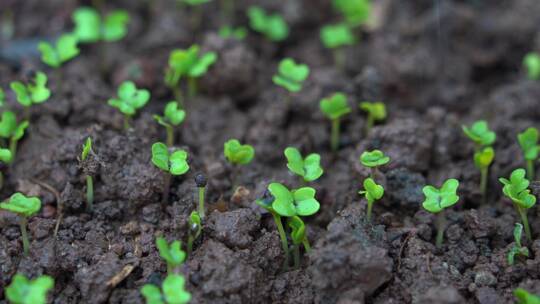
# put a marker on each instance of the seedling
(35, 92)
(531, 62)
(528, 141)
(171, 253)
(195, 228)
(194, 2)
(273, 26)
(480, 134)
(228, 32)
(356, 12)
(516, 190)
(372, 192)
(376, 111)
(517, 250)
(291, 75)
(237, 154)
(64, 50)
(172, 117)
(90, 27)
(190, 64)
(9, 129)
(439, 199)
(172, 163)
(482, 160)
(129, 100)
(5, 157)
(308, 168)
(25, 207)
(25, 291)
(336, 37)
(201, 181)
(334, 107)
(173, 291)
(298, 236)
(524, 297)
(373, 159)
(87, 149)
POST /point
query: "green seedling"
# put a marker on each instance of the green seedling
(334, 107)
(373, 160)
(87, 149)
(517, 249)
(228, 32)
(171, 253)
(299, 237)
(91, 27)
(291, 75)
(172, 163)
(35, 92)
(5, 157)
(190, 64)
(129, 100)
(356, 12)
(273, 27)
(308, 168)
(528, 141)
(376, 111)
(24, 207)
(237, 154)
(531, 62)
(25, 291)
(201, 181)
(194, 2)
(10, 130)
(480, 134)
(525, 297)
(482, 160)
(436, 200)
(173, 291)
(55, 55)
(2, 97)
(195, 229)
(372, 192)
(172, 117)
(336, 37)
(516, 190)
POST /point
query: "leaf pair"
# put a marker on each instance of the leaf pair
(291, 75)
(338, 35)
(35, 92)
(22, 205)
(172, 291)
(480, 133)
(483, 158)
(299, 202)
(356, 12)
(89, 26)
(175, 163)
(298, 229)
(228, 32)
(87, 147)
(372, 191)
(517, 249)
(309, 168)
(188, 63)
(6, 156)
(436, 200)
(528, 141)
(273, 26)
(238, 154)
(375, 110)
(375, 158)
(171, 253)
(195, 224)
(64, 50)
(335, 106)
(130, 99)
(172, 115)
(24, 291)
(9, 127)
(516, 189)
(531, 61)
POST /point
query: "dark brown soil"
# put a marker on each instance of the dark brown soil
(433, 73)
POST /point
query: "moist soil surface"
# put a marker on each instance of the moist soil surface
(435, 67)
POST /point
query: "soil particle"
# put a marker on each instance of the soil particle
(405, 187)
(441, 295)
(294, 286)
(487, 295)
(91, 280)
(233, 228)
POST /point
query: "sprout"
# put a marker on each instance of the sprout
(172, 254)
(531, 62)
(308, 168)
(439, 199)
(334, 107)
(9, 129)
(89, 26)
(195, 228)
(172, 291)
(480, 134)
(35, 92)
(190, 64)
(201, 181)
(356, 12)
(172, 117)
(5, 157)
(273, 26)
(528, 141)
(376, 112)
(373, 159)
(228, 32)
(516, 190)
(237, 154)
(291, 75)
(517, 249)
(524, 297)
(372, 192)
(87, 148)
(175, 164)
(24, 291)
(335, 37)
(129, 100)
(64, 50)
(482, 161)
(298, 236)
(25, 207)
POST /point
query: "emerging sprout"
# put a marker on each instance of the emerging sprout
(87, 148)
(516, 190)
(335, 37)
(439, 199)
(129, 100)
(9, 129)
(334, 107)
(524, 297)
(372, 192)
(480, 134)
(308, 168)
(273, 26)
(89, 26)
(175, 164)
(24, 291)
(517, 249)
(171, 253)
(373, 159)
(195, 228)
(356, 12)
(25, 207)
(173, 291)
(528, 141)
(298, 236)
(291, 75)
(376, 111)
(64, 50)
(200, 181)
(237, 154)
(35, 92)
(172, 117)
(482, 160)
(228, 32)
(5, 157)
(531, 62)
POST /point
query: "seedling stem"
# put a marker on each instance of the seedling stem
(13, 147)
(126, 122)
(335, 134)
(192, 87)
(178, 95)
(306, 245)
(441, 222)
(369, 124)
(296, 253)
(339, 58)
(483, 183)
(530, 169)
(283, 237)
(89, 192)
(26, 244)
(523, 214)
(170, 135)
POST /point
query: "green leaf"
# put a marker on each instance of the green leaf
(5, 155)
(305, 202)
(87, 24)
(312, 167)
(528, 141)
(335, 106)
(87, 146)
(39, 91)
(160, 156)
(23, 291)
(374, 158)
(283, 200)
(516, 189)
(531, 62)
(174, 290)
(228, 32)
(291, 76)
(202, 64)
(22, 93)
(22, 205)
(173, 114)
(377, 110)
(524, 297)
(484, 157)
(8, 124)
(195, 225)
(237, 153)
(48, 54)
(273, 26)
(298, 229)
(437, 200)
(67, 47)
(178, 161)
(356, 12)
(480, 133)
(130, 98)
(334, 36)
(172, 254)
(152, 294)
(115, 25)
(372, 191)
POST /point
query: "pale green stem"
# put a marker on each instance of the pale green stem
(530, 170)
(483, 183)
(126, 122)
(190, 244)
(339, 58)
(170, 135)
(296, 254)
(369, 124)
(306, 245)
(283, 237)
(334, 140)
(13, 149)
(523, 214)
(24, 235)
(192, 87)
(89, 193)
(441, 222)
(201, 201)
(369, 208)
(178, 95)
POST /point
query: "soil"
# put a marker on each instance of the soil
(435, 66)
